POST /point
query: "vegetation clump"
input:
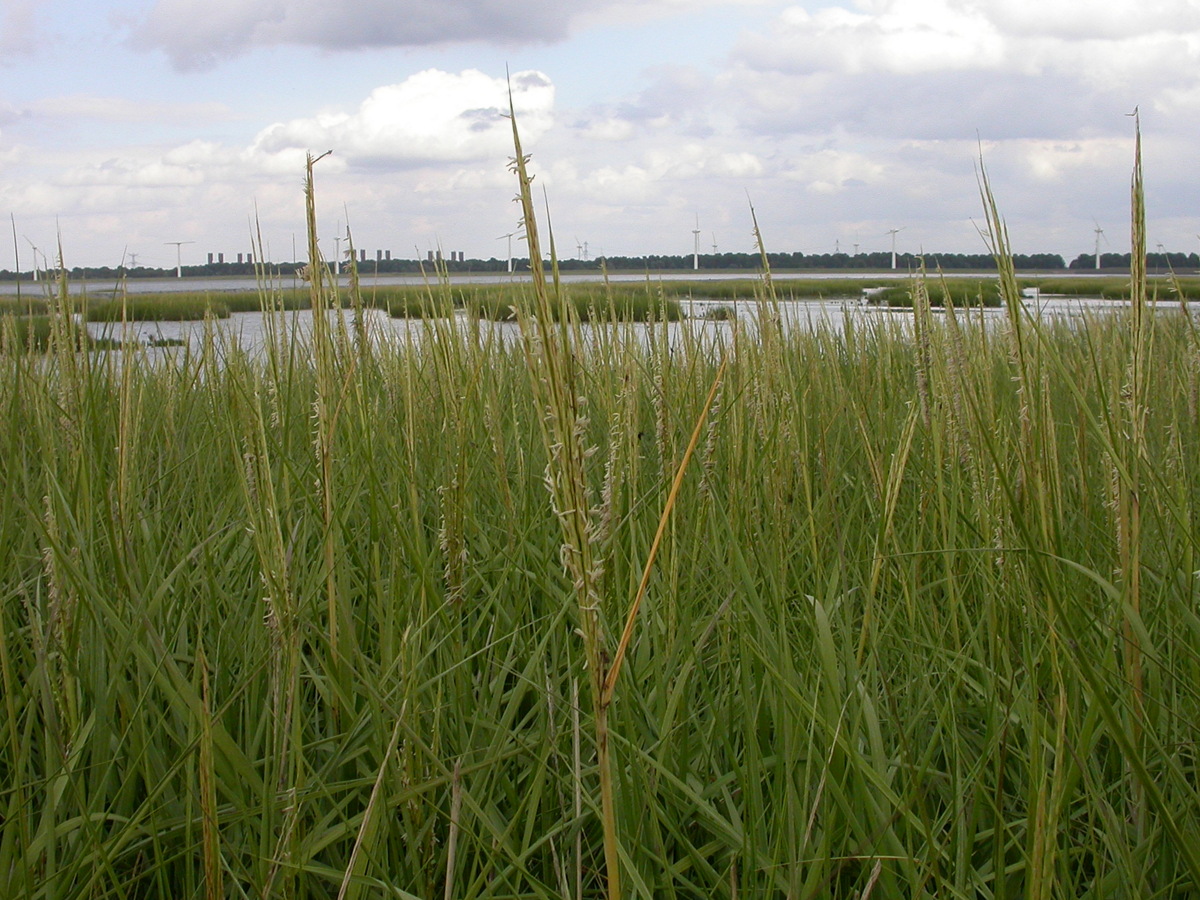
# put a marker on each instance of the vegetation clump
(959, 293)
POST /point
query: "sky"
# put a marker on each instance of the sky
(129, 124)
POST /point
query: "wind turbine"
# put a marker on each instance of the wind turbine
(714, 237)
(893, 232)
(578, 249)
(1099, 234)
(36, 251)
(510, 237)
(178, 257)
(696, 245)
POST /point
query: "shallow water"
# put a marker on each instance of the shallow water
(251, 330)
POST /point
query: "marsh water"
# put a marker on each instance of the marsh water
(705, 320)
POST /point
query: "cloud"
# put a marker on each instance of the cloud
(829, 171)
(199, 33)
(18, 28)
(904, 37)
(134, 172)
(124, 110)
(430, 116)
(950, 68)
(607, 128)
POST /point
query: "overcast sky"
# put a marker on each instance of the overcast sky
(129, 123)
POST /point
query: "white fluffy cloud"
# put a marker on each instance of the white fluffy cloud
(947, 68)
(430, 116)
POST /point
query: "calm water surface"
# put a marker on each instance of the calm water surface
(251, 330)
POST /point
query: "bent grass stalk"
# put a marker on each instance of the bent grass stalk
(551, 365)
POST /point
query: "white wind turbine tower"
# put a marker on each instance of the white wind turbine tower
(893, 232)
(1099, 234)
(178, 257)
(578, 249)
(696, 245)
(510, 237)
(714, 237)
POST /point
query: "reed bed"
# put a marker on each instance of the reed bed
(883, 644)
(900, 609)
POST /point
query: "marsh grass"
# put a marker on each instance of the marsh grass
(940, 293)
(35, 333)
(921, 621)
(1118, 288)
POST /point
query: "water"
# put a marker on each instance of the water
(251, 330)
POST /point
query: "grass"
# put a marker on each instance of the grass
(36, 333)
(960, 292)
(920, 620)
(495, 302)
(1118, 288)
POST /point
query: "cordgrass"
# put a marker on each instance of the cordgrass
(306, 622)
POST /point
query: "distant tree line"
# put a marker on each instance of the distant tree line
(829, 261)
(1162, 261)
(659, 262)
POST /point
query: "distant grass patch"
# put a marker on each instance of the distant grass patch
(749, 288)
(33, 333)
(591, 302)
(1116, 287)
(188, 307)
(719, 314)
(24, 306)
(960, 293)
